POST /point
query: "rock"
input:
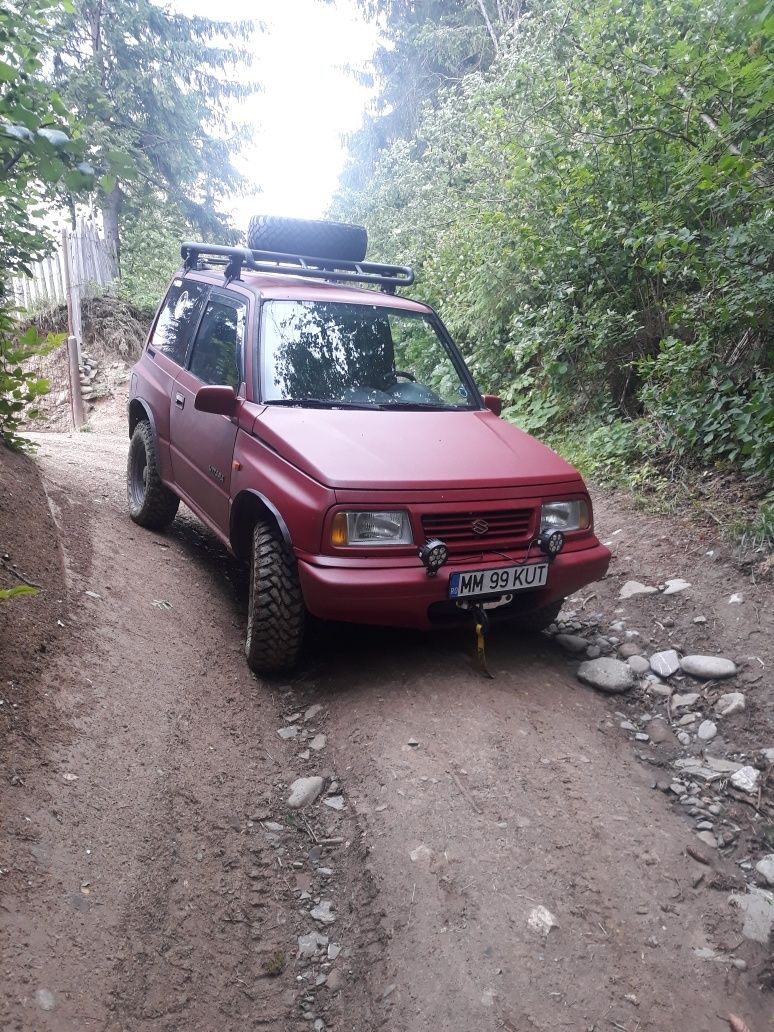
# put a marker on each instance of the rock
(309, 944)
(660, 732)
(708, 839)
(746, 780)
(709, 667)
(45, 999)
(335, 802)
(413, 743)
(768, 755)
(639, 664)
(683, 738)
(287, 732)
(641, 736)
(304, 791)
(629, 648)
(665, 663)
(633, 587)
(542, 920)
(606, 674)
(757, 906)
(731, 702)
(323, 912)
(312, 712)
(674, 585)
(700, 619)
(571, 642)
(273, 826)
(736, 599)
(318, 742)
(334, 981)
(765, 868)
(593, 651)
(333, 951)
(707, 731)
(689, 718)
(421, 854)
(655, 687)
(686, 699)
(626, 725)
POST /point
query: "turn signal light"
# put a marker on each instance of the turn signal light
(339, 530)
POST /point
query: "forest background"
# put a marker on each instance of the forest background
(585, 192)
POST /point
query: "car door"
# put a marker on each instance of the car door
(201, 443)
(166, 354)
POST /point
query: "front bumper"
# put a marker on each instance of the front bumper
(402, 595)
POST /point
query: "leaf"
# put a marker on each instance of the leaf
(54, 136)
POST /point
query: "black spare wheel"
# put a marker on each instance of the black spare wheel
(308, 237)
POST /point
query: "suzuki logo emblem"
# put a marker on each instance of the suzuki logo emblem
(479, 527)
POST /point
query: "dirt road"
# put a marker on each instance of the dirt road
(158, 881)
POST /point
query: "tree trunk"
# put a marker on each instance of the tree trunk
(111, 209)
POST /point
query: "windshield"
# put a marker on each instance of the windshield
(329, 354)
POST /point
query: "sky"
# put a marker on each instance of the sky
(309, 102)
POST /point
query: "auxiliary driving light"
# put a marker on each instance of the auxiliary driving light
(433, 555)
(551, 543)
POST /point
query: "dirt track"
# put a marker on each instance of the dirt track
(148, 893)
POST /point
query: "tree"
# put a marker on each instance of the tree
(592, 216)
(153, 87)
(40, 153)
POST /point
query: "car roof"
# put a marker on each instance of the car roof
(297, 288)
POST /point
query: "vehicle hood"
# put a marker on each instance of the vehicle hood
(381, 450)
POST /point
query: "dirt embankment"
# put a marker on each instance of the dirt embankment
(484, 855)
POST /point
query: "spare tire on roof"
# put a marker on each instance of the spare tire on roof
(308, 237)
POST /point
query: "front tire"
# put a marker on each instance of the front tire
(275, 616)
(151, 504)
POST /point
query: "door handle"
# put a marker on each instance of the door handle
(180, 400)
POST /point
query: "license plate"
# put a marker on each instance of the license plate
(498, 580)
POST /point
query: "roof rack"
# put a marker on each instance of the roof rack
(387, 277)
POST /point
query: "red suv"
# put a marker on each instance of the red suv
(332, 437)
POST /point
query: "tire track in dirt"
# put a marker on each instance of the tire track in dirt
(157, 899)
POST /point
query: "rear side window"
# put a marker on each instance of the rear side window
(217, 353)
(177, 319)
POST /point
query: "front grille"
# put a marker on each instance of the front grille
(505, 528)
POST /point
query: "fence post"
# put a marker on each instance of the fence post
(73, 297)
(76, 398)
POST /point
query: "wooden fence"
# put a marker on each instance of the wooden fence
(82, 266)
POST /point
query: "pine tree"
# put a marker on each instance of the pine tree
(154, 87)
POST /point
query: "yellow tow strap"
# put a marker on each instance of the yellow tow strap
(481, 650)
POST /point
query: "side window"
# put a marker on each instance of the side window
(177, 319)
(217, 353)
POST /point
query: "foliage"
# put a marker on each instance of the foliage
(19, 387)
(20, 591)
(592, 216)
(153, 86)
(151, 248)
(39, 148)
(40, 152)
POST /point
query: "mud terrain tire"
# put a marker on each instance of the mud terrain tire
(308, 237)
(151, 504)
(539, 619)
(275, 612)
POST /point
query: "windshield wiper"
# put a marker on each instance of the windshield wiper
(320, 403)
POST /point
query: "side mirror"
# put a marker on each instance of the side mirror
(221, 401)
(492, 402)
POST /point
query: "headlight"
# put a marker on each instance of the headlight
(391, 527)
(563, 516)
